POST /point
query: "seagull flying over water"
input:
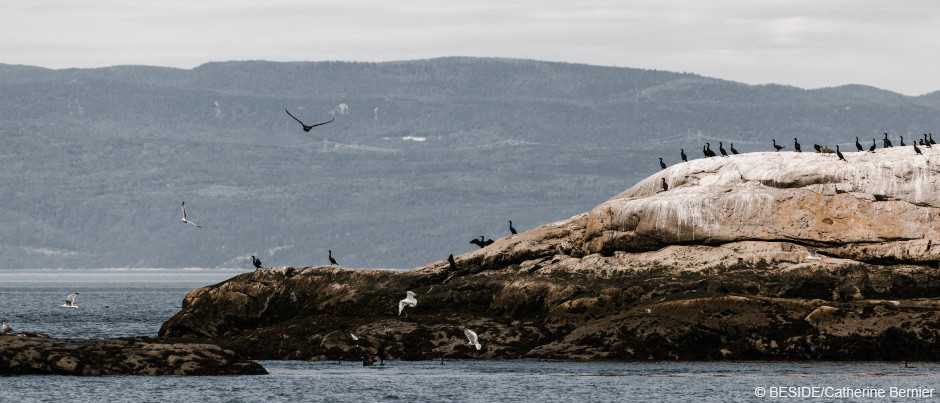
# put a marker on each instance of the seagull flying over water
(70, 300)
(184, 217)
(307, 128)
(411, 301)
(472, 337)
(7, 328)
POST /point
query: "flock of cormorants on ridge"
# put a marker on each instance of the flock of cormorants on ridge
(927, 142)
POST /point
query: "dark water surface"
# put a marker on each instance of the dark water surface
(115, 303)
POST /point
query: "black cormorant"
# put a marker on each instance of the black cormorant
(817, 148)
(902, 141)
(332, 261)
(512, 229)
(778, 147)
(872, 148)
(796, 145)
(708, 149)
(307, 128)
(453, 263)
(887, 143)
(665, 186)
(839, 153)
(931, 138)
(478, 242)
(721, 148)
(916, 150)
(661, 163)
(858, 145)
(256, 262)
(733, 151)
(682, 153)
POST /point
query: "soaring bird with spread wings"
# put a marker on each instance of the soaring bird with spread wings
(307, 128)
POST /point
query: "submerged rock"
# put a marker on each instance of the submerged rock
(38, 354)
(714, 268)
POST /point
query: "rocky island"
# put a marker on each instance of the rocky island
(719, 266)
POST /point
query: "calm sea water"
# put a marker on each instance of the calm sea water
(116, 303)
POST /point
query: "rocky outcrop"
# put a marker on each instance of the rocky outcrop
(37, 354)
(714, 268)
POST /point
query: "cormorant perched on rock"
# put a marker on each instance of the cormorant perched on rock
(839, 153)
(256, 262)
(307, 128)
(858, 145)
(705, 151)
(453, 263)
(817, 148)
(661, 163)
(926, 142)
(513, 229)
(931, 138)
(872, 148)
(721, 148)
(902, 141)
(332, 261)
(665, 186)
(682, 153)
(796, 145)
(917, 150)
(887, 143)
(733, 151)
(478, 242)
(778, 147)
(708, 148)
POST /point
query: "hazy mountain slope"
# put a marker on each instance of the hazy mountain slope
(96, 161)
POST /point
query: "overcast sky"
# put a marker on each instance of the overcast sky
(805, 43)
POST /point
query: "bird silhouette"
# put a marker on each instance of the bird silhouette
(902, 141)
(332, 261)
(839, 153)
(453, 263)
(926, 142)
(682, 153)
(256, 262)
(917, 150)
(887, 143)
(705, 151)
(478, 242)
(511, 228)
(733, 151)
(778, 147)
(796, 145)
(931, 138)
(665, 186)
(872, 148)
(817, 148)
(307, 128)
(721, 148)
(858, 145)
(661, 163)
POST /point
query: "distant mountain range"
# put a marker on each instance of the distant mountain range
(423, 156)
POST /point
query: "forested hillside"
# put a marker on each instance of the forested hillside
(422, 156)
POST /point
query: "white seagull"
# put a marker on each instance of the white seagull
(411, 301)
(184, 217)
(472, 336)
(70, 300)
(812, 255)
(7, 328)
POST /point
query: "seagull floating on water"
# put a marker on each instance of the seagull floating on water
(411, 301)
(70, 300)
(7, 328)
(184, 217)
(307, 128)
(472, 337)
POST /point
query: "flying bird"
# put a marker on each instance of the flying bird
(661, 163)
(453, 263)
(472, 337)
(7, 328)
(307, 128)
(411, 301)
(682, 154)
(332, 261)
(184, 217)
(70, 300)
(513, 230)
(256, 262)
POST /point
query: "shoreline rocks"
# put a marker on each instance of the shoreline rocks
(38, 354)
(714, 268)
